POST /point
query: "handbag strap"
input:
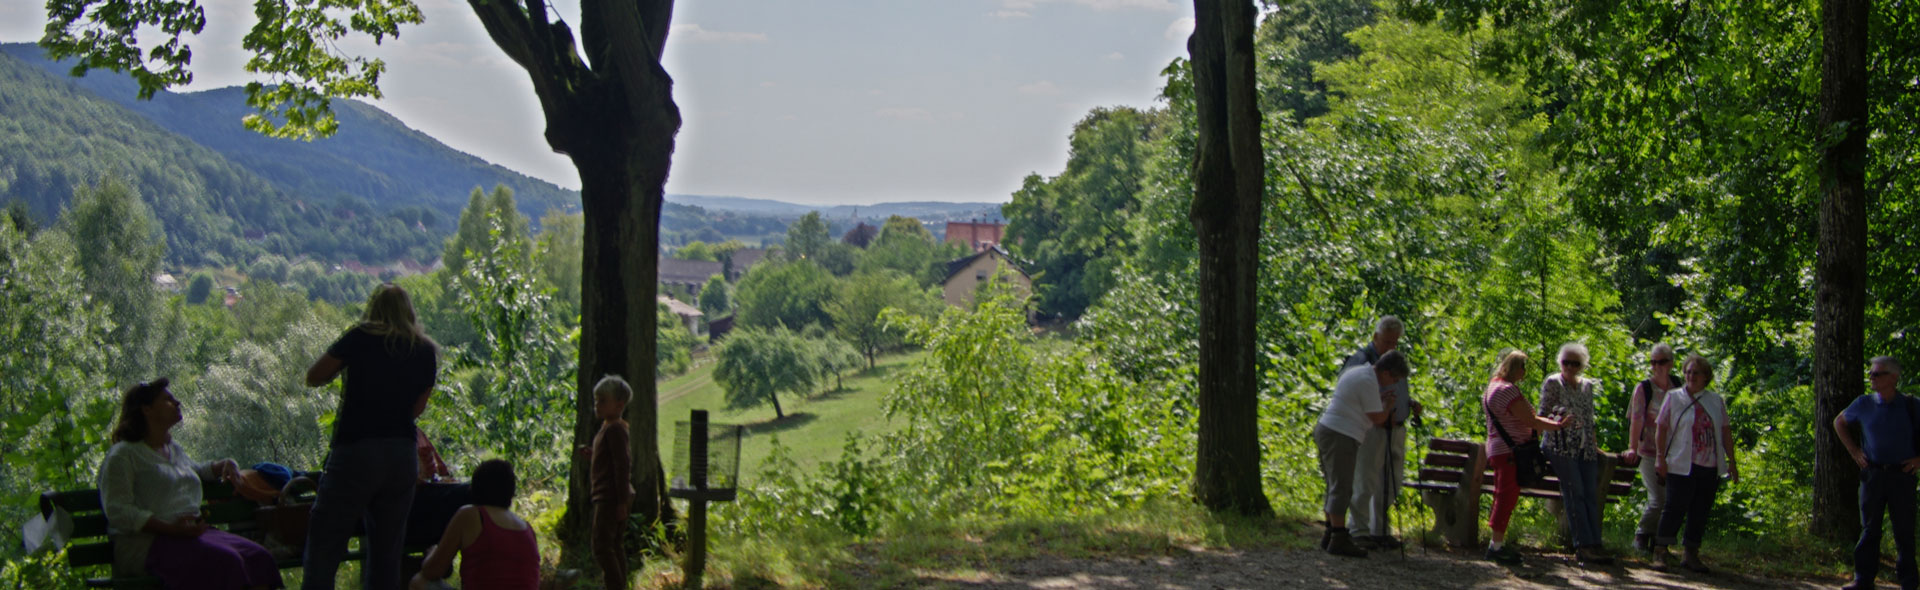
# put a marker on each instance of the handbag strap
(1497, 426)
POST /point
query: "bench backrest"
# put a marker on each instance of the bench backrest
(1447, 461)
(89, 544)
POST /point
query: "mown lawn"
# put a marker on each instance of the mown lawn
(815, 427)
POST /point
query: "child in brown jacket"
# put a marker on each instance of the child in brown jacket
(611, 473)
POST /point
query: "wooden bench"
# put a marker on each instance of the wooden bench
(1451, 465)
(90, 547)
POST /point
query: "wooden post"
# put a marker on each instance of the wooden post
(696, 566)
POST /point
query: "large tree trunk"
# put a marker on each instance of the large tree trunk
(1228, 172)
(1839, 317)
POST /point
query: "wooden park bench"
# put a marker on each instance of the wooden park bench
(90, 547)
(1451, 465)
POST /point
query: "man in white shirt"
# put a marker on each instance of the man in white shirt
(1383, 453)
(1357, 406)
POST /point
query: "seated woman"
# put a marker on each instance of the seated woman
(150, 491)
(497, 548)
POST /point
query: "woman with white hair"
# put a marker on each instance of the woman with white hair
(1574, 451)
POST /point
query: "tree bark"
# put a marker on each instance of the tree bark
(1229, 172)
(617, 121)
(1841, 269)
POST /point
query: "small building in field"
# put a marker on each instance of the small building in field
(718, 328)
(965, 275)
(689, 315)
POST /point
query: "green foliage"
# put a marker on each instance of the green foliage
(559, 252)
(755, 366)
(808, 237)
(44, 571)
(696, 250)
(254, 404)
(55, 398)
(1073, 226)
(199, 288)
(905, 245)
(858, 302)
(789, 294)
(119, 246)
(716, 297)
(520, 379)
(673, 349)
(836, 357)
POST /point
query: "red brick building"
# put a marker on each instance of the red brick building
(976, 236)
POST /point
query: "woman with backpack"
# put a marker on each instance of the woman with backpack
(1643, 410)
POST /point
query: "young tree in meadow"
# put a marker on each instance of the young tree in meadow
(858, 301)
(905, 245)
(696, 250)
(755, 366)
(792, 294)
(836, 357)
(608, 104)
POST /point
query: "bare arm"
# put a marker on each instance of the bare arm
(461, 532)
(1636, 421)
(1522, 410)
(420, 405)
(324, 370)
(1845, 435)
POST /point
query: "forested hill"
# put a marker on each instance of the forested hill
(54, 135)
(374, 156)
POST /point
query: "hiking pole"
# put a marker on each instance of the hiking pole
(1386, 485)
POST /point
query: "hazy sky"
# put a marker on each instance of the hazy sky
(810, 101)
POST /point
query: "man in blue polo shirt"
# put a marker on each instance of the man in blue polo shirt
(1887, 460)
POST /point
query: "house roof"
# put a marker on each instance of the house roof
(679, 308)
(675, 270)
(959, 264)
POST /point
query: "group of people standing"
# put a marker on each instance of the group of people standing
(151, 490)
(1679, 426)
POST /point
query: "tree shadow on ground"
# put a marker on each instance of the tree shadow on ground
(777, 425)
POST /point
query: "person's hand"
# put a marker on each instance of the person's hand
(1630, 457)
(1554, 423)
(1910, 465)
(1733, 473)
(1860, 458)
(584, 451)
(227, 470)
(187, 525)
(1660, 469)
(1389, 400)
(1416, 408)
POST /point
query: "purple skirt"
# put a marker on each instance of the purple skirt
(215, 560)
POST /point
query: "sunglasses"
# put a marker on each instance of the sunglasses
(1570, 363)
(1879, 373)
(1658, 362)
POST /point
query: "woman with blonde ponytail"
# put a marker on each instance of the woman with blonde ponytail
(391, 367)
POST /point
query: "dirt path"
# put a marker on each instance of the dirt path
(1280, 568)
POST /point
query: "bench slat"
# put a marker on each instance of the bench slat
(1458, 462)
(1451, 446)
(88, 554)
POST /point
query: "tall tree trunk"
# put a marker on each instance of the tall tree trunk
(1839, 319)
(1229, 172)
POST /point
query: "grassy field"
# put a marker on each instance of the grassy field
(815, 427)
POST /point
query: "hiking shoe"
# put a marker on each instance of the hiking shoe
(1325, 536)
(1341, 544)
(1643, 543)
(1505, 555)
(1592, 556)
(1385, 542)
(1662, 559)
(1696, 566)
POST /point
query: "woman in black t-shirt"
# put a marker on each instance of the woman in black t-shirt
(390, 367)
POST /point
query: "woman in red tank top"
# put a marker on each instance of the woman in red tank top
(497, 548)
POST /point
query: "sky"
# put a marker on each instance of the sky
(806, 101)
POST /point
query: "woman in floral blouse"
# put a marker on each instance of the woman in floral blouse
(1575, 451)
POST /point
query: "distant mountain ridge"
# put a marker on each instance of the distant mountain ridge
(929, 211)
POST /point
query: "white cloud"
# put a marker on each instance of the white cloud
(1041, 88)
(768, 84)
(1009, 14)
(1116, 56)
(789, 118)
(904, 114)
(692, 33)
(1180, 29)
(875, 92)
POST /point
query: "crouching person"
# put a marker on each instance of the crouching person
(1357, 406)
(496, 547)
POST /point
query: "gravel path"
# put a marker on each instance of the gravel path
(1282, 568)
